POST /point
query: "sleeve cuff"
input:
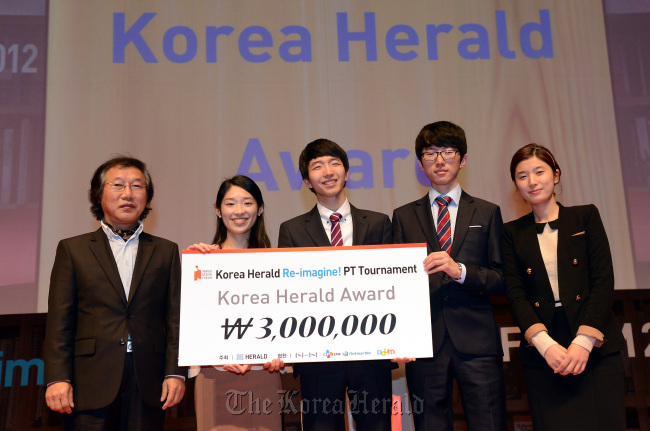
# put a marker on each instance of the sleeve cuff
(175, 376)
(593, 333)
(57, 381)
(193, 372)
(463, 274)
(542, 341)
(585, 341)
(534, 329)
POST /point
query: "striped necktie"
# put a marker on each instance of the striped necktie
(336, 236)
(444, 223)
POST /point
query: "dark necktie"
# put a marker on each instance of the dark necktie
(444, 223)
(337, 237)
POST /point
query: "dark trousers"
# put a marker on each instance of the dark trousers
(368, 387)
(126, 413)
(480, 381)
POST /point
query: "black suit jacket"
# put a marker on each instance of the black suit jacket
(585, 278)
(463, 310)
(89, 318)
(369, 228)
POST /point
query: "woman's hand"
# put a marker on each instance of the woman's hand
(202, 247)
(554, 356)
(575, 361)
(237, 368)
(274, 365)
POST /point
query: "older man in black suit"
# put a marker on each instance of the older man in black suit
(463, 235)
(111, 344)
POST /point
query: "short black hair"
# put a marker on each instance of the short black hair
(99, 179)
(534, 150)
(320, 148)
(441, 134)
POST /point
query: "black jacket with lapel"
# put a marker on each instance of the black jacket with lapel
(462, 310)
(306, 230)
(89, 318)
(585, 277)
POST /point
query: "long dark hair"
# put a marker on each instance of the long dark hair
(258, 237)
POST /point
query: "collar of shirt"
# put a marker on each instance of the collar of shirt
(125, 253)
(325, 213)
(454, 194)
(345, 223)
(112, 236)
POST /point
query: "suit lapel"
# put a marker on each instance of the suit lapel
(530, 238)
(425, 219)
(360, 226)
(565, 229)
(464, 215)
(146, 247)
(314, 228)
(102, 251)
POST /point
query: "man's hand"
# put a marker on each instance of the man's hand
(441, 261)
(59, 397)
(173, 390)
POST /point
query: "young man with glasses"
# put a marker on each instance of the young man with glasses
(463, 236)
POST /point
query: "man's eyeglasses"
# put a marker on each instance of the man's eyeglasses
(431, 156)
(118, 187)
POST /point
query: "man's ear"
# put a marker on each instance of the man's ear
(463, 161)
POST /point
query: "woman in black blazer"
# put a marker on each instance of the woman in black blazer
(560, 285)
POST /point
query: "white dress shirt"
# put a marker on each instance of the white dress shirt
(345, 223)
(125, 253)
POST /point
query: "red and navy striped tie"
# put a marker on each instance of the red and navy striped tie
(444, 223)
(336, 236)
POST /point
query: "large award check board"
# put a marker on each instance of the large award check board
(304, 305)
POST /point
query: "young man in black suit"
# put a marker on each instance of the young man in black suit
(324, 168)
(463, 235)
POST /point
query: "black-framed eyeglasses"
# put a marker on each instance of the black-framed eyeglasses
(119, 187)
(431, 156)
